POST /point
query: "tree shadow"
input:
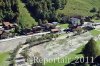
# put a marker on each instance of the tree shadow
(32, 10)
(79, 53)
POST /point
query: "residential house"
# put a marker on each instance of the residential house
(48, 26)
(37, 29)
(75, 21)
(8, 25)
(26, 31)
(54, 30)
(88, 26)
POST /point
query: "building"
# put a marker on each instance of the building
(37, 29)
(75, 21)
(8, 25)
(48, 26)
(54, 30)
(55, 23)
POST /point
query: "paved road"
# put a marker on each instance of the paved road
(11, 43)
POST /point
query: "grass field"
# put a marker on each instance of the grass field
(95, 32)
(96, 20)
(80, 7)
(70, 57)
(3, 59)
(98, 42)
(63, 26)
(73, 7)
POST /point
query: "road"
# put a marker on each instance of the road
(11, 43)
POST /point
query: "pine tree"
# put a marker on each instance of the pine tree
(92, 49)
(45, 9)
(8, 10)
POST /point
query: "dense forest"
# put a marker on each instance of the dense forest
(41, 10)
(45, 9)
(32, 12)
(8, 10)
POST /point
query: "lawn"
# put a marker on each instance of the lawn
(63, 26)
(96, 20)
(95, 32)
(3, 58)
(98, 42)
(70, 57)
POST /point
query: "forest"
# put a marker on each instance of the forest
(8, 10)
(40, 10)
(45, 9)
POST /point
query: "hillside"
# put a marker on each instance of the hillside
(80, 7)
(15, 11)
(30, 12)
(25, 17)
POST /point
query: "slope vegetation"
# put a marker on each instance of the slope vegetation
(25, 17)
(80, 7)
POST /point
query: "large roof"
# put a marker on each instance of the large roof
(7, 24)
